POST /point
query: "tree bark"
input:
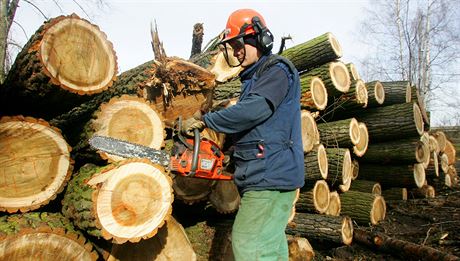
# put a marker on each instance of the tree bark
(353, 100)
(395, 92)
(322, 227)
(375, 94)
(402, 248)
(364, 208)
(66, 60)
(127, 201)
(316, 166)
(42, 236)
(339, 167)
(393, 122)
(354, 74)
(35, 163)
(197, 39)
(367, 186)
(410, 150)
(192, 190)
(224, 197)
(317, 51)
(342, 133)
(389, 176)
(395, 194)
(335, 77)
(314, 200)
(314, 93)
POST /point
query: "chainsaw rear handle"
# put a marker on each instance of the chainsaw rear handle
(196, 151)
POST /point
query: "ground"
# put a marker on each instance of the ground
(431, 222)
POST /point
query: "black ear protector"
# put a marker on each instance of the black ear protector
(264, 36)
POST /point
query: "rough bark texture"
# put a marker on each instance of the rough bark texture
(395, 194)
(228, 90)
(375, 94)
(364, 208)
(342, 133)
(339, 166)
(322, 227)
(316, 166)
(392, 122)
(395, 92)
(350, 102)
(42, 236)
(320, 50)
(335, 77)
(393, 175)
(224, 197)
(366, 186)
(398, 151)
(197, 39)
(313, 200)
(65, 60)
(35, 163)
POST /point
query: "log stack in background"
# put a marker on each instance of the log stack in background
(364, 143)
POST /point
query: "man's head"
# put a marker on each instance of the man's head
(246, 38)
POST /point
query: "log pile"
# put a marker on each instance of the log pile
(364, 143)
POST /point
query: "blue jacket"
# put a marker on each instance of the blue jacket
(265, 127)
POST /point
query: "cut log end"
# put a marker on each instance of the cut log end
(347, 168)
(361, 93)
(434, 146)
(77, 55)
(134, 201)
(361, 147)
(222, 70)
(408, 93)
(132, 119)
(322, 161)
(35, 165)
(422, 152)
(335, 45)
(418, 118)
(378, 210)
(318, 93)
(347, 230)
(340, 76)
(419, 175)
(354, 131)
(321, 196)
(300, 249)
(354, 169)
(353, 71)
(334, 204)
(377, 189)
(379, 92)
(310, 134)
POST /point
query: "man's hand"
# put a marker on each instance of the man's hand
(190, 124)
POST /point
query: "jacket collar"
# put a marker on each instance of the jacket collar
(249, 71)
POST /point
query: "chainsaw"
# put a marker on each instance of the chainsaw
(199, 158)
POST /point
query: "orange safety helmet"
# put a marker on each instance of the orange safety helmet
(240, 23)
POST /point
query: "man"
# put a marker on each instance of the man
(265, 128)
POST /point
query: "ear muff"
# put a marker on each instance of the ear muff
(264, 36)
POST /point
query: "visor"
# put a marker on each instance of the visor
(228, 48)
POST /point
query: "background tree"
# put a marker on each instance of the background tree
(418, 41)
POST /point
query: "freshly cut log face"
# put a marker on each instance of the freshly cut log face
(222, 70)
(132, 119)
(134, 201)
(171, 243)
(314, 93)
(342, 133)
(363, 207)
(361, 148)
(340, 167)
(335, 77)
(42, 236)
(334, 204)
(35, 163)
(376, 94)
(310, 134)
(316, 166)
(353, 71)
(300, 249)
(315, 199)
(77, 55)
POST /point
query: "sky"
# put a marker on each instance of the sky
(127, 23)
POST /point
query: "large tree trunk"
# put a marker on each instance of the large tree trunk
(170, 243)
(342, 133)
(393, 122)
(224, 197)
(127, 201)
(316, 166)
(395, 92)
(310, 134)
(361, 148)
(335, 77)
(399, 151)
(42, 236)
(366, 186)
(126, 118)
(395, 194)
(339, 167)
(317, 51)
(389, 176)
(314, 93)
(314, 200)
(64, 61)
(375, 94)
(322, 227)
(35, 163)
(362, 207)
(353, 100)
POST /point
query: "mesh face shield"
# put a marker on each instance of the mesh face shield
(234, 51)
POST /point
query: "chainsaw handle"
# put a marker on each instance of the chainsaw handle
(196, 151)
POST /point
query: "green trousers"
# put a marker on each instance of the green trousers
(258, 230)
